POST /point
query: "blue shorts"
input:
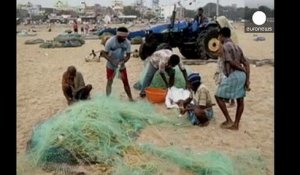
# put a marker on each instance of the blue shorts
(209, 113)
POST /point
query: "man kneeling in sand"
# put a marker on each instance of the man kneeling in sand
(73, 86)
(200, 111)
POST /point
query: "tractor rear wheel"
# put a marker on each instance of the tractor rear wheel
(208, 43)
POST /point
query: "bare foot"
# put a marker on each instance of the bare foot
(226, 124)
(131, 100)
(234, 127)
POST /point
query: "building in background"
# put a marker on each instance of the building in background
(118, 6)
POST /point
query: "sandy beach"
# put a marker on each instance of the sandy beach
(39, 95)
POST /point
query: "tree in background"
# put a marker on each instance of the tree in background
(130, 10)
(189, 13)
(269, 12)
(149, 16)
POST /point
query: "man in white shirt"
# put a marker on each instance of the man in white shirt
(163, 61)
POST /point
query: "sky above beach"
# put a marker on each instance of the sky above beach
(185, 3)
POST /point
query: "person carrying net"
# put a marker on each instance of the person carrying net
(117, 53)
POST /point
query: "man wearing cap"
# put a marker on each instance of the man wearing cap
(236, 80)
(199, 104)
(117, 52)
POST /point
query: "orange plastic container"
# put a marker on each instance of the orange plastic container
(156, 95)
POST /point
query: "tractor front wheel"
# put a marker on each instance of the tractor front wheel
(189, 51)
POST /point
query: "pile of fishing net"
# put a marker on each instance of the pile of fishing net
(25, 33)
(158, 82)
(64, 40)
(91, 36)
(104, 39)
(69, 36)
(51, 44)
(91, 131)
(68, 31)
(137, 40)
(107, 31)
(34, 41)
(103, 132)
(105, 35)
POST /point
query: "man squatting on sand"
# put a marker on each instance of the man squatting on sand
(73, 86)
(199, 104)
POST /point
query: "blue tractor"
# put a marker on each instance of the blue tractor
(194, 41)
(140, 33)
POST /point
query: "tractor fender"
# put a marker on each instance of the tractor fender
(211, 24)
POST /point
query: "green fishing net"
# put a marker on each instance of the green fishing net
(158, 82)
(104, 131)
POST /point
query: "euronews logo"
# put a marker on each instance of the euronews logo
(259, 24)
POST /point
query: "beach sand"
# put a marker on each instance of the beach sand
(39, 96)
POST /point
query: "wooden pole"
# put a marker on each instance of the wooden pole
(217, 11)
